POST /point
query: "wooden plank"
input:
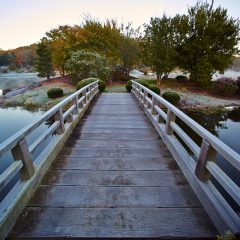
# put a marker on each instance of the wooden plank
(114, 164)
(114, 153)
(114, 178)
(113, 125)
(114, 222)
(114, 136)
(115, 144)
(116, 130)
(144, 197)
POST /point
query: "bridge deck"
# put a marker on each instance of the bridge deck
(114, 178)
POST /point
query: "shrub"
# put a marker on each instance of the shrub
(129, 86)
(142, 82)
(101, 86)
(181, 78)
(225, 86)
(55, 93)
(171, 97)
(154, 89)
(85, 82)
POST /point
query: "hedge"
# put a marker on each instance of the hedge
(55, 93)
(172, 97)
(87, 81)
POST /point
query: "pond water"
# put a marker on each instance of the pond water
(17, 80)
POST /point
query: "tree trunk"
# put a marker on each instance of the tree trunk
(158, 79)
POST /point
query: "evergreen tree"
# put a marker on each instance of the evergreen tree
(43, 60)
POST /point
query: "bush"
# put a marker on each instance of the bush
(171, 97)
(225, 86)
(142, 82)
(181, 78)
(55, 93)
(87, 81)
(154, 89)
(101, 86)
(129, 86)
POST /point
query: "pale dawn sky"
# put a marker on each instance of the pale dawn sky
(23, 22)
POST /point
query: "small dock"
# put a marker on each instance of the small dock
(114, 178)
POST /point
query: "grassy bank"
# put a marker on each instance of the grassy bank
(37, 98)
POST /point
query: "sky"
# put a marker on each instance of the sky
(23, 22)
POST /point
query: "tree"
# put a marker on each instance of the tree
(83, 64)
(43, 60)
(158, 46)
(58, 39)
(129, 47)
(206, 40)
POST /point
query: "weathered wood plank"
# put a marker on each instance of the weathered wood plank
(115, 153)
(115, 144)
(114, 222)
(116, 130)
(114, 178)
(85, 196)
(114, 164)
(114, 136)
(113, 125)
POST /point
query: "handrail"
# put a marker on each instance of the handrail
(198, 173)
(32, 172)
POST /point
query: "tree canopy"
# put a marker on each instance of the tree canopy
(83, 64)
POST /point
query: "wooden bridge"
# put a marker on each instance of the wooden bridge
(116, 171)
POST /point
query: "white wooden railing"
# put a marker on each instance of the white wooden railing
(198, 172)
(31, 172)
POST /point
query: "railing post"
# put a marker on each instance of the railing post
(144, 97)
(207, 153)
(58, 116)
(170, 118)
(75, 101)
(154, 101)
(21, 152)
(85, 95)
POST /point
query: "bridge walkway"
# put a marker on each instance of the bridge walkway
(114, 178)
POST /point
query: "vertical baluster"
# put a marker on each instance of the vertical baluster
(75, 100)
(85, 96)
(207, 153)
(58, 116)
(170, 118)
(144, 97)
(154, 102)
(21, 152)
